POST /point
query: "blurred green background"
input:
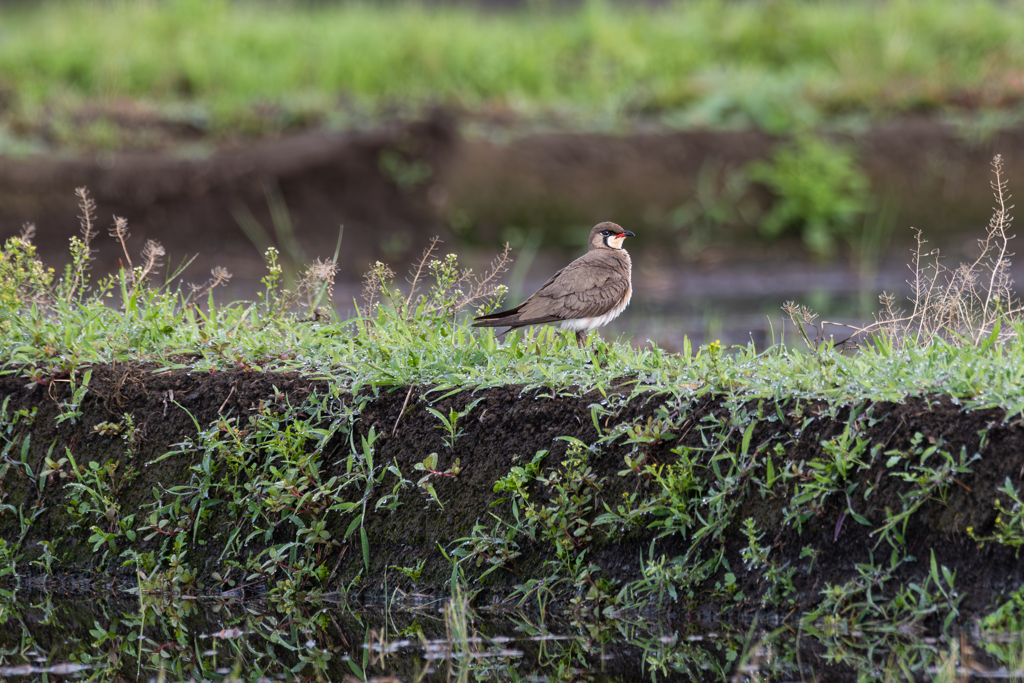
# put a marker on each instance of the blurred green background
(781, 66)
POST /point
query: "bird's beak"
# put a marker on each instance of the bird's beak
(627, 233)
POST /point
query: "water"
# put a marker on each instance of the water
(51, 637)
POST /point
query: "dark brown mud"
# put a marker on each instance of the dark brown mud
(506, 428)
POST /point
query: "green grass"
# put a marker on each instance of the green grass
(55, 325)
(779, 66)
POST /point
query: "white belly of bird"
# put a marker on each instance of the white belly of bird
(581, 324)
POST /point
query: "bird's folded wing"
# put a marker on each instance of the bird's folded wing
(590, 290)
(594, 302)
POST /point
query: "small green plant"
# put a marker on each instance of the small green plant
(71, 410)
(1009, 524)
(820, 190)
(754, 555)
(8, 563)
(405, 173)
(363, 473)
(812, 553)
(429, 466)
(494, 547)
(24, 281)
(45, 560)
(412, 573)
(450, 423)
(929, 480)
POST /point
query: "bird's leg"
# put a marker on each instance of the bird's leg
(581, 337)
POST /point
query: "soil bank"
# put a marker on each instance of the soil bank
(504, 429)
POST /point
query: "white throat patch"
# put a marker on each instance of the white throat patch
(615, 241)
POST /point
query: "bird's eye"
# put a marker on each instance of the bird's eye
(606, 232)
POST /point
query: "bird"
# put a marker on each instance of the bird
(589, 292)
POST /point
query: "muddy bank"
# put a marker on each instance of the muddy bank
(395, 186)
(217, 484)
(200, 205)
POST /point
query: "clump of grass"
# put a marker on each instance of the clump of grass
(462, 638)
(820, 189)
(61, 323)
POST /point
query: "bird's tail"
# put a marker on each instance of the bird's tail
(495, 321)
(499, 319)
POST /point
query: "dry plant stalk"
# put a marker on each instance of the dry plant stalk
(220, 276)
(803, 317)
(418, 274)
(88, 218)
(83, 253)
(485, 285)
(152, 253)
(452, 291)
(87, 222)
(965, 305)
(119, 231)
(375, 280)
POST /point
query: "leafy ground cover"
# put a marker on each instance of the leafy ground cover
(227, 68)
(195, 447)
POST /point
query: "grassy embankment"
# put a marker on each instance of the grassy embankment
(240, 67)
(699, 498)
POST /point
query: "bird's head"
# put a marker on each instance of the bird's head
(608, 235)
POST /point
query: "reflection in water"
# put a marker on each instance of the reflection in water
(117, 640)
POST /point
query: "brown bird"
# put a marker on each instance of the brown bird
(589, 292)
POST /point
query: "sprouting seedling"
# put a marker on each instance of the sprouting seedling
(450, 423)
(429, 465)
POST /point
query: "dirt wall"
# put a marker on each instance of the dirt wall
(395, 186)
(506, 426)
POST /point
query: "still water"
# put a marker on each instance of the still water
(48, 637)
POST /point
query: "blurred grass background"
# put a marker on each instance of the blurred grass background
(260, 67)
